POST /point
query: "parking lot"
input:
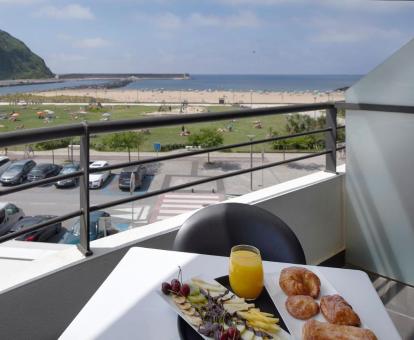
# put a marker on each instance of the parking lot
(55, 201)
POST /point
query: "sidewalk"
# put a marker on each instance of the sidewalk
(59, 153)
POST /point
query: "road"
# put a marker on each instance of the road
(160, 175)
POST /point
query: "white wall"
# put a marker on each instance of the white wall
(313, 208)
(380, 169)
(56, 287)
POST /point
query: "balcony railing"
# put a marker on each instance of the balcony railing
(84, 130)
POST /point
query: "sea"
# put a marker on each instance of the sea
(291, 83)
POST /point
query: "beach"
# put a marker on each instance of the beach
(201, 96)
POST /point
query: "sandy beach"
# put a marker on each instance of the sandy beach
(201, 97)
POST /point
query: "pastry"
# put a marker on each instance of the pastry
(299, 281)
(315, 330)
(336, 310)
(302, 307)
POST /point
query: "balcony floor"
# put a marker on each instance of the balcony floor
(398, 300)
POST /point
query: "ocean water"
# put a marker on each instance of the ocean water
(251, 82)
(215, 82)
(50, 86)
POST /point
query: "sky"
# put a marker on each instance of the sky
(211, 36)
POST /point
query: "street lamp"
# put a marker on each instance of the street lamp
(251, 137)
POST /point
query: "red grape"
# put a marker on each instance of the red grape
(166, 288)
(185, 290)
(175, 286)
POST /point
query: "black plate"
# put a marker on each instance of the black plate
(264, 302)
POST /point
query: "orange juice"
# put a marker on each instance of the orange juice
(246, 272)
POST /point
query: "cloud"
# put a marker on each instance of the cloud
(71, 11)
(66, 57)
(336, 31)
(91, 43)
(367, 5)
(257, 2)
(20, 2)
(341, 5)
(168, 20)
(240, 19)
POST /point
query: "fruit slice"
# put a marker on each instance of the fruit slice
(247, 335)
(241, 327)
(179, 299)
(208, 286)
(185, 306)
(190, 311)
(194, 290)
(194, 320)
(196, 298)
(234, 300)
(237, 307)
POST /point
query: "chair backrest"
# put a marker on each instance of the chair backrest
(214, 230)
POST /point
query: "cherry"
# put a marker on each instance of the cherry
(233, 333)
(224, 336)
(175, 286)
(185, 290)
(166, 288)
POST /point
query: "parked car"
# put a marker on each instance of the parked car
(4, 163)
(124, 181)
(70, 182)
(97, 229)
(9, 215)
(96, 180)
(40, 235)
(17, 172)
(42, 171)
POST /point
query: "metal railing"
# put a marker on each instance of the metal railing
(84, 130)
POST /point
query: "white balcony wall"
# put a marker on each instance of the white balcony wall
(380, 168)
(53, 289)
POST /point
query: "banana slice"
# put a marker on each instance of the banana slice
(189, 312)
(184, 306)
(195, 320)
(179, 299)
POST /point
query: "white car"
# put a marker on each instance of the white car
(96, 180)
(9, 215)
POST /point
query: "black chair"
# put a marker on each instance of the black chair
(214, 230)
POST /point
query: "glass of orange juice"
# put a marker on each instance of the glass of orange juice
(246, 271)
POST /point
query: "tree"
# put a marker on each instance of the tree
(123, 140)
(206, 138)
(297, 123)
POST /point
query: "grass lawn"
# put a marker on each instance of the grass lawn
(169, 135)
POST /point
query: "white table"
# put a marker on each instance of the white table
(126, 305)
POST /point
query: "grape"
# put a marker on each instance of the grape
(166, 288)
(185, 290)
(175, 286)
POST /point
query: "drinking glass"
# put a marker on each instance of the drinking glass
(246, 271)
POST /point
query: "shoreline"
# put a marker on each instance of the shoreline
(218, 97)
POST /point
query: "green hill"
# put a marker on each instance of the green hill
(17, 61)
